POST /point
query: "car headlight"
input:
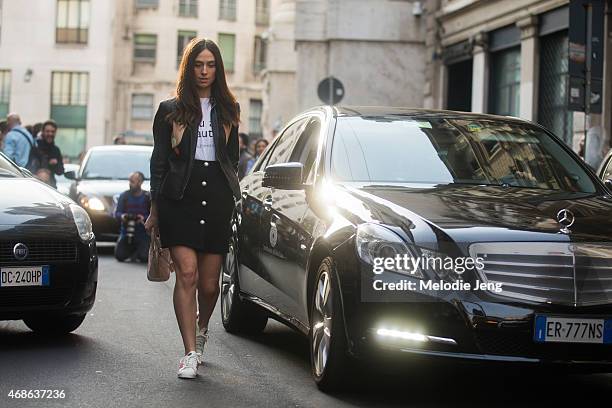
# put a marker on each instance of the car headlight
(82, 221)
(93, 203)
(375, 242)
(442, 265)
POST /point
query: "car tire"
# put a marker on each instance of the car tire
(237, 315)
(329, 360)
(54, 325)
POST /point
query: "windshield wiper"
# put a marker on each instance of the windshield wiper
(98, 178)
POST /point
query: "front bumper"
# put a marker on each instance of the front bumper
(498, 332)
(72, 288)
(105, 226)
(474, 325)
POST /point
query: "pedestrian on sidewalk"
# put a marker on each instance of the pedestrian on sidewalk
(3, 131)
(51, 155)
(260, 146)
(194, 188)
(245, 155)
(18, 141)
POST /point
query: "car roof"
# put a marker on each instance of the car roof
(141, 148)
(380, 111)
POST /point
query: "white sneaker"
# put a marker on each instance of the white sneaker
(188, 366)
(201, 339)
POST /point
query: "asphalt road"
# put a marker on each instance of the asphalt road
(126, 352)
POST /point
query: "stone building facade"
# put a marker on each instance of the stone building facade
(375, 48)
(511, 58)
(100, 68)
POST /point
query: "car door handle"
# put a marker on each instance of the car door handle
(267, 204)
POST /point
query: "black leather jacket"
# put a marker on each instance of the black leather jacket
(170, 172)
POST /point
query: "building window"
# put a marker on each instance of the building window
(143, 4)
(459, 86)
(552, 105)
(227, 10)
(5, 92)
(142, 106)
(262, 12)
(72, 23)
(255, 108)
(259, 62)
(505, 82)
(69, 88)
(183, 39)
(188, 8)
(227, 44)
(69, 94)
(145, 47)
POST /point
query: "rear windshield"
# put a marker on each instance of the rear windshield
(446, 151)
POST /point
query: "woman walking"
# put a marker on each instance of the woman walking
(194, 188)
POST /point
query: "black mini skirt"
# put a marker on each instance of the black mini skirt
(202, 218)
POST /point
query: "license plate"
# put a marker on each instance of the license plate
(24, 276)
(572, 330)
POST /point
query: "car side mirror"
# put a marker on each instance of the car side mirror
(71, 175)
(284, 176)
(608, 183)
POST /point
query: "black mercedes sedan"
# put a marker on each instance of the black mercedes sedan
(48, 258)
(430, 234)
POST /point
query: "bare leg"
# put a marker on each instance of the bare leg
(209, 266)
(185, 260)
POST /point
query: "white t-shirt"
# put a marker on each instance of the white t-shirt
(205, 149)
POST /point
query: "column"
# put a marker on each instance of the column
(529, 67)
(480, 74)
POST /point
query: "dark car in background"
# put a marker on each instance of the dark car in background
(342, 187)
(48, 259)
(102, 177)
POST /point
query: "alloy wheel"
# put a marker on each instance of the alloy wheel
(228, 282)
(322, 323)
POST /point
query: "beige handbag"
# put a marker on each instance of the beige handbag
(160, 262)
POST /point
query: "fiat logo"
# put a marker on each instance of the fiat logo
(20, 251)
(566, 219)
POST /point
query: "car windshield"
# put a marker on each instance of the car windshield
(8, 169)
(116, 165)
(446, 151)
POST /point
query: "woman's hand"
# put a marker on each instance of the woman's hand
(151, 223)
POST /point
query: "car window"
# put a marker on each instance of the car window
(607, 174)
(261, 162)
(285, 144)
(8, 168)
(443, 151)
(116, 165)
(305, 150)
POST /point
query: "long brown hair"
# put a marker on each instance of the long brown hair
(188, 108)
